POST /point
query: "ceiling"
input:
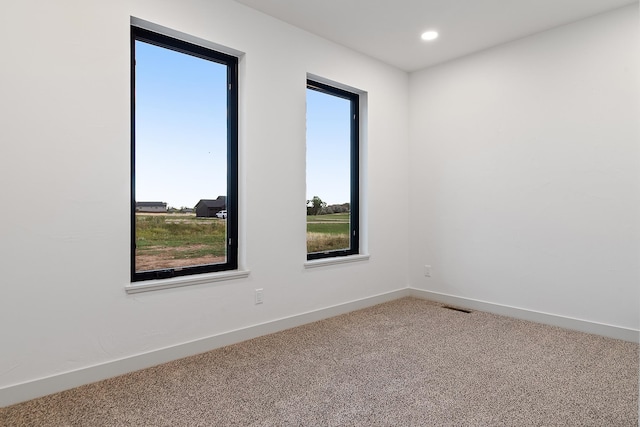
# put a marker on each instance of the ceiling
(390, 30)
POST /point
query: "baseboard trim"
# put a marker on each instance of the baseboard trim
(617, 332)
(43, 386)
(21, 392)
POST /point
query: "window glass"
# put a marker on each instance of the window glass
(181, 158)
(332, 178)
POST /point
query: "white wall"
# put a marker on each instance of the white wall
(521, 187)
(524, 188)
(64, 171)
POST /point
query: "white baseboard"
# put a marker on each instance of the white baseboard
(43, 386)
(610, 331)
(40, 387)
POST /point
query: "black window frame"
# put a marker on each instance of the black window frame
(231, 62)
(354, 161)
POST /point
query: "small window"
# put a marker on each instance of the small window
(184, 138)
(332, 171)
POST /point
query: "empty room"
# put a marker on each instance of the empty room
(320, 212)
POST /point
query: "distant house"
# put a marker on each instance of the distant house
(208, 208)
(151, 207)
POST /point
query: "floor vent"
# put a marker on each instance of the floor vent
(462, 310)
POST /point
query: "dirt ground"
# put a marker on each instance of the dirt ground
(165, 258)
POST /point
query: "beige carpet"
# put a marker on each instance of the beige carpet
(409, 362)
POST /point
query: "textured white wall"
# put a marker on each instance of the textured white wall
(524, 170)
(64, 171)
(521, 189)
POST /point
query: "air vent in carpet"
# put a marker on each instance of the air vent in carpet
(462, 310)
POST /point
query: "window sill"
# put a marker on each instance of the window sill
(178, 282)
(336, 261)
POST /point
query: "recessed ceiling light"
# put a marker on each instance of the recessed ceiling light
(429, 35)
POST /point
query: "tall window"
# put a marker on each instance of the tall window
(332, 171)
(184, 186)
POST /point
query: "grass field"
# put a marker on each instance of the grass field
(169, 241)
(327, 232)
(179, 240)
(339, 217)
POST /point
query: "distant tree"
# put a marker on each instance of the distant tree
(315, 206)
(334, 209)
(344, 207)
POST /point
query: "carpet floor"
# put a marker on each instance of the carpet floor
(408, 362)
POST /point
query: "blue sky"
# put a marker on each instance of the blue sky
(181, 132)
(181, 127)
(328, 147)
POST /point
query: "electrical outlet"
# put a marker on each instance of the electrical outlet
(259, 296)
(427, 271)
